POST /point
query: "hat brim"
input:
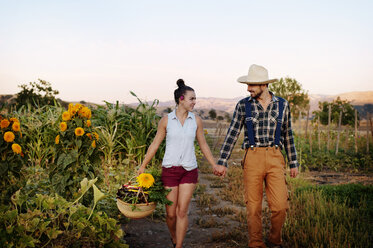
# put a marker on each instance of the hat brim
(244, 80)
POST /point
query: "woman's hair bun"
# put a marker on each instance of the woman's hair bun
(180, 83)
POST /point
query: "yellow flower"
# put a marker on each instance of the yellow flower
(88, 123)
(16, 148)
(145, 180)
(14, 119)
(85, 112)
(57, 139)
(63, 126)
(9, 136)
(79, 131)
(89, 135)
(4, 123)
(96, 135)
(94, 144)
(16, 126)
(66, 116)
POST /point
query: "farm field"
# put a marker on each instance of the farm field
(61, 168)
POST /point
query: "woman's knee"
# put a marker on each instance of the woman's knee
(171, 217)
(182, 213)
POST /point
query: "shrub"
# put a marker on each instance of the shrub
(12, 157)
(76, 153)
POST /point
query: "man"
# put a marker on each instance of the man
(267, 123)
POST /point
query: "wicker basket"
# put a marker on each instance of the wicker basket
(142, 210)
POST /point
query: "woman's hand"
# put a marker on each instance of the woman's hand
(141, 170)
(219, 170)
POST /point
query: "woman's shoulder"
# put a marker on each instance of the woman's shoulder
(163, 121)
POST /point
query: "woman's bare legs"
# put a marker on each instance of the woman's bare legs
(171, 211)
(184, 197)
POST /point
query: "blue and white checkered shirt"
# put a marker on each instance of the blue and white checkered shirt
(264, 124)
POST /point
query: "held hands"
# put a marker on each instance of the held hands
(219, 170)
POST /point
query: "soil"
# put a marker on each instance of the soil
(153, 232)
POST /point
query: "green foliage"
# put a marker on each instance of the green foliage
(291, 90)
(319, 216)
(157, 193)
(350, 194)
(41, 220)
(212, 114)
(36, 94)
(348, 112)
(364, 109)
(11, 156)
(38, 130)
(129, 131)
(76, 153)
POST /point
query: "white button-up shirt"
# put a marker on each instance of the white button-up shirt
(180, 142)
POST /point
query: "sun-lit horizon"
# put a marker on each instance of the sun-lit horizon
(94, 51)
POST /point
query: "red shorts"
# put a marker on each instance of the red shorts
(176, 175)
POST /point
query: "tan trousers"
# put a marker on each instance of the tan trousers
(265, 164)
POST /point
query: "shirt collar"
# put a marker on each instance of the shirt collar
(274, 98)
(173, 115)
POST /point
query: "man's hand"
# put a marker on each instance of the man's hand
(294, 172)
(219, 170)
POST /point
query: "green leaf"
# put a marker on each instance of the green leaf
(98, 195)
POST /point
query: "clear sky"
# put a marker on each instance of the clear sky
(100, 50)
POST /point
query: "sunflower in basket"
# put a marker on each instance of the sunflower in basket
(138, 199)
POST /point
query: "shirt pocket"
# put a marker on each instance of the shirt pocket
(255, 119)
(273, 117)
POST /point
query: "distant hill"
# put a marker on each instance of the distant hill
(228, 104)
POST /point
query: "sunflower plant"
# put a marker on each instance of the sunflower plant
(12, 157)
(147, 188)
(76, 155)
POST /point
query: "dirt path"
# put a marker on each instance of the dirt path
(150, 232)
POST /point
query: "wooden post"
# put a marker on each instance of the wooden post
(355, 130)
(311, 127)
(300, 123)
(308, 116)
(339, 132)
(329, 123)
(368, 117)
(318, 132)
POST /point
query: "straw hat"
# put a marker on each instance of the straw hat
(257, 75)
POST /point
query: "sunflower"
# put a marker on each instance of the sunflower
(4, 123)
(89, 135)
(16, 148)
(88, 123)
(9, 136)
(94, 144)
(57, 139)
(145, 180)
(16, 126)
(96, 135)
(79, 131)
(13, 119)
(66, 116)
(63, 126)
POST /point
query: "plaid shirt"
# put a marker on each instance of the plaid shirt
(264, 124)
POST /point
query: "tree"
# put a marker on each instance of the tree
(212, 114)
(36, 94)
(348, 112)
(291, 90)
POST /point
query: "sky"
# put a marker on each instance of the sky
(101, 50)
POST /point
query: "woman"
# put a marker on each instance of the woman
(179, 166)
